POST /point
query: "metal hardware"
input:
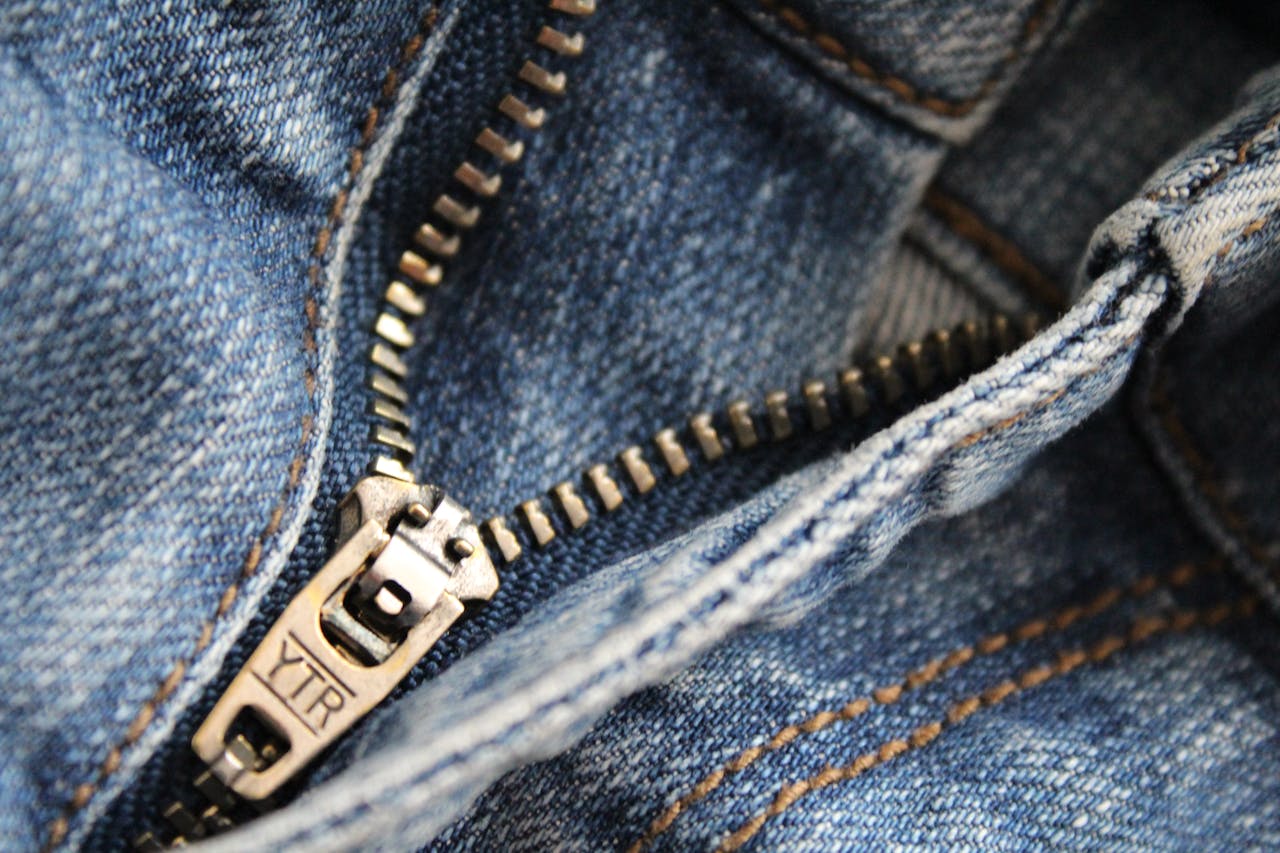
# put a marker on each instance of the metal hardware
(521, 113)
(633, 462)
(480, 184)
(540, 78)
(419, 269)
(508, 151)
(704, 432)
(563, 44)
(409, 556)
(775, 405)
(740, 421)
(606, 488)
(815, 398)
(672, 451)
(573, 507)
(539, 524)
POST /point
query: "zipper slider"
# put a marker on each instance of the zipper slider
(408, 556)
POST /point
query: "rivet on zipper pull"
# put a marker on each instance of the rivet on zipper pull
(409, 556)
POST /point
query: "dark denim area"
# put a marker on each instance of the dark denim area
(1169, 737)
(698, 220)
(630, 274)
(1086, 128)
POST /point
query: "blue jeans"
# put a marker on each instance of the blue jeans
(1019, 602)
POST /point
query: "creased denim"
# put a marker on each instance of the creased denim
(199, 212)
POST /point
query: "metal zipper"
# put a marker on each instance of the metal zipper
(408, 556)
(917, 371)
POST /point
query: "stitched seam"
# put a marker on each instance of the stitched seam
(84, 792)
(1000, 250)
(1202, 475)
(719, 595)
(923, 675)
(900, 88)
(1014, 419)
(1220, 168)
(1142, 629)
(1041, 404)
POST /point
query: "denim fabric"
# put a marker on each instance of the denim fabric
(535, 688)
(1086, 128)
(163, 181)
(199, 213)
(938, 64)
(574, 322)
(1071, 763)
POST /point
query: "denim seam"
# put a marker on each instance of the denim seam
(1130, 302)
(84, 792)
(719, 597)
(999, 249)
(899, 87)
(1120, 306)
(1141, 629)
(1016, 418)
(1221, 169)
(1036, 628)
(1194, 484)
(1171, 443)
(1197, 464)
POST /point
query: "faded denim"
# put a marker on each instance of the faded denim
(199, 211)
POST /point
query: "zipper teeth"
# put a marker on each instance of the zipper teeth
(884, 383)
(418, 270)
(436, 241)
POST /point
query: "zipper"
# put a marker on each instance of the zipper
(408, 556)
(883, 385)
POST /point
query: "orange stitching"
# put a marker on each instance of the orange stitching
(1000, 425)
(1202, 475)
(929, 672)
(1243, 152)
(1220, 168)
(1161, 405)
(999, 249)
(903, 89)
(1140, 631)
(84, 792)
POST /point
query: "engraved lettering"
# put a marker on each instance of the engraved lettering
(306, 687)
(312, 675)
(284, 661)
(330, 700)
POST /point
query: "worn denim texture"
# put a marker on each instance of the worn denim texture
(199, 211)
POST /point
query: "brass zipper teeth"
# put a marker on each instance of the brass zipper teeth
(917, 369)
(455, 211)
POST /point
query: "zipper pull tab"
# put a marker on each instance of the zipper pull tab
(408, 557)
